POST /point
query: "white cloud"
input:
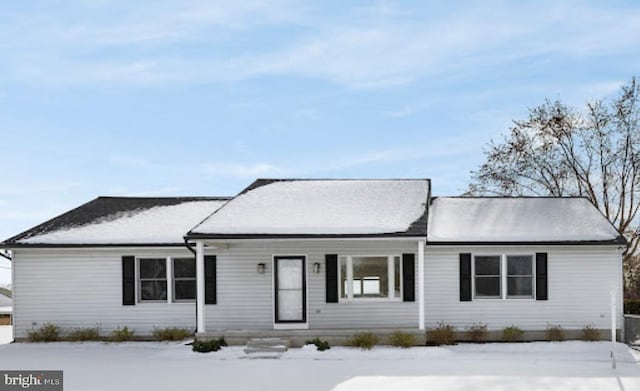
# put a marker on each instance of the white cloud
(377, 47)
(241, 170)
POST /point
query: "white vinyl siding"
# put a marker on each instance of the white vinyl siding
(83, 288)
(579, 282)
(242, 308)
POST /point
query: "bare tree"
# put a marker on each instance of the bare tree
(561, 151)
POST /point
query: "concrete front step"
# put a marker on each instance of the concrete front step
(266, 346)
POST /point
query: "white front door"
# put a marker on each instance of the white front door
(290, 284)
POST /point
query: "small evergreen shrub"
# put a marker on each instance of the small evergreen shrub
(402, 339)
(632, 306)
(477, 332)
(208, 345)
(122, 334)
(512, 334)
(170, 334)
(83, 334)
(554, 333)
(443, 334)
(320, 344)
(364, 340)
(48, 332)
(590, 333)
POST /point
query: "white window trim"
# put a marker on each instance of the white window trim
(139, 299)
(503, 277)
(533, 277)
(473, 277)
(390, 271)
(173, 281)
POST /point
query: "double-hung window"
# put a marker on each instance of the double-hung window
(152, 274)
(487, 276)
(503, 276)
(519, 276)
(184, 279)
(370, 277)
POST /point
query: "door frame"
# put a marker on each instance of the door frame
(290, 324)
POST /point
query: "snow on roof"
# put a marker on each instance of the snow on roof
(323, 207)
(5, 301)
(160, 221)
(460, 219)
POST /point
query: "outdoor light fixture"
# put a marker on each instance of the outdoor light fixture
(316, 267)
(261, 267)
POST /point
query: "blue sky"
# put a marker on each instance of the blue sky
(201, 97)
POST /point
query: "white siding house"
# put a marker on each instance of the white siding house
(318, 257)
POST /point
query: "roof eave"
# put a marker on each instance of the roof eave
(219, 236)
(619, 241)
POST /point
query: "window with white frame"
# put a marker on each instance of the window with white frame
(184, 279)
(519, 276)
(487, 276)
(152, 276)
(370, 277)
(503, 276)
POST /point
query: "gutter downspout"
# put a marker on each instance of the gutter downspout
(186, 243)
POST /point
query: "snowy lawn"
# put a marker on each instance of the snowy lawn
(6, 334)
(171, 366)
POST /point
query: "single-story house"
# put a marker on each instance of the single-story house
(304, 258)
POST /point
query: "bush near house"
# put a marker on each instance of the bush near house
(320, 344)
(170, 334)
(122, 334)
(443, 334)
(590, 333)
(554, 333)
(512, 334)
(632, 306)
(83, 334)
(477, 332)
(402, 339)
(48, 332)
(364, 340)
(208, 345)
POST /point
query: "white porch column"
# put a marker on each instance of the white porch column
(421, 284)
(200, 286)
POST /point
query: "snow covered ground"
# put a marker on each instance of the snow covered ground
(172, 366)
(6, 334)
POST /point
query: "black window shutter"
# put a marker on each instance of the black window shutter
(465, 277)
(541, 277)
(210, 296)
(408, 277)
(331, 277)
(128, 280)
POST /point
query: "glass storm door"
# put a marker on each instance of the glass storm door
(290, 290)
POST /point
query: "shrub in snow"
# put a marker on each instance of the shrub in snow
(632, 306)
(46, 333)
(83, 334)
(590, 333)
(402, 339)
(170, 334)
(477, 332)
(364, 340)
(208, 345)
(443, 334)
(554, 333)
(320, 345)
(512, 334)
(123, 334)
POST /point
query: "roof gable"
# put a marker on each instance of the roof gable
(322, 207)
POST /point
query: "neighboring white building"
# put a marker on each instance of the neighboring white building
(302, 258)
